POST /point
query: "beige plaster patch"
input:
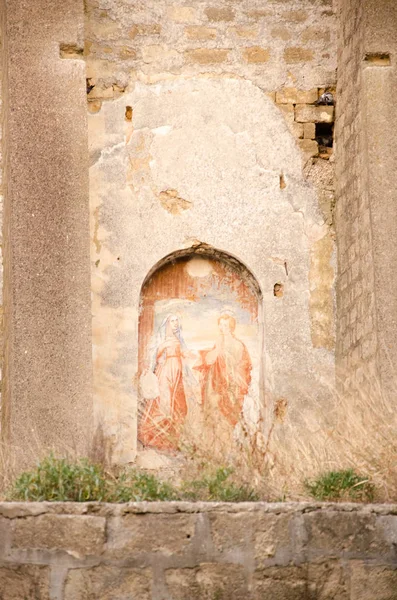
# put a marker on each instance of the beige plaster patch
(173, 203)
(322, 278)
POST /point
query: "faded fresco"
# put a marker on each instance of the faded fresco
(199, 356)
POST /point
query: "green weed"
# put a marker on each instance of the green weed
(216, 488)
(60, 480)
(133, 486)
(341, 485)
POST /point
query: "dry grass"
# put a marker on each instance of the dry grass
(359, 431)
(331, 431)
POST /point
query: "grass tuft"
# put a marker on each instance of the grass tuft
(60, 480)
(343, 485)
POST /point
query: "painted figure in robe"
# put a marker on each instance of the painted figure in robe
(225, 378)
(163, 416)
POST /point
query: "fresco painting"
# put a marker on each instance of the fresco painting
(199, 356)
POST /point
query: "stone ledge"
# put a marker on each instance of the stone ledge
(14, 510)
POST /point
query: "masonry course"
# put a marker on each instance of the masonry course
(185, 551)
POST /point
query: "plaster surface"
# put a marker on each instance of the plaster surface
(221, 146)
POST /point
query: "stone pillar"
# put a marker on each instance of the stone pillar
(47, 393)
(366, 210)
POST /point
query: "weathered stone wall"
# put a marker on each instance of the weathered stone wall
(365, 177)
(47, 398)
(3, 86)
(182, 551)
(272, 44)
(356, 326)
(210, 106)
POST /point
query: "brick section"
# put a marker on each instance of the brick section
(356, 340)
(290, 45)
(184, 551)
(256, 54)
(79, 535)
(204, 56)
(314, 114)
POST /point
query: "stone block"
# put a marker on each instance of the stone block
(372, 582)
(208, 581)
(309, 131)
(287, 95)
(256, 54)
(232, 530)
(164, 533)
(297, 129)
(126, 53)
(247, 33)
(309, 147)
(288, 112)
(20, 582)
(200, 33)
(280, 583)
(103, 583)
(144, 29)
(219, 14)
(295, 16)
(182, 14)
(272, 538)
(281, 33)
(158, 53)
(258, 14)
(314, 114)
(327, 581)
(82, 535)
(204, 56)
(352, 533)
(316, 34)
(307, 96)
(295, 54)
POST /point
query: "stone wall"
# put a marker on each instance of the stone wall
(365, 208)
(182, 551)
(3, 85)
(211, 106)
(48, 366)
(356, 339)
(274, 44)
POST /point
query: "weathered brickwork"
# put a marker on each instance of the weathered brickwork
(280, 44)
(356, 324)
(183, 551)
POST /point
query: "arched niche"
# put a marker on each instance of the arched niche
(200, 353)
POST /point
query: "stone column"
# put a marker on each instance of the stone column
(366, 210)
(380, 125)
(47, 393)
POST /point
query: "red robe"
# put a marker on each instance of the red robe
(227, 376)
(163, 416)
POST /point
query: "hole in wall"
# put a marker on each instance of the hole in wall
(283, 184)
(90, 86)
(278, 290)
(71, 51)
(325, 135)
(378, 59)
(128, 113)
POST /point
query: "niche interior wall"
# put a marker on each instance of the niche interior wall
(203, 135)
